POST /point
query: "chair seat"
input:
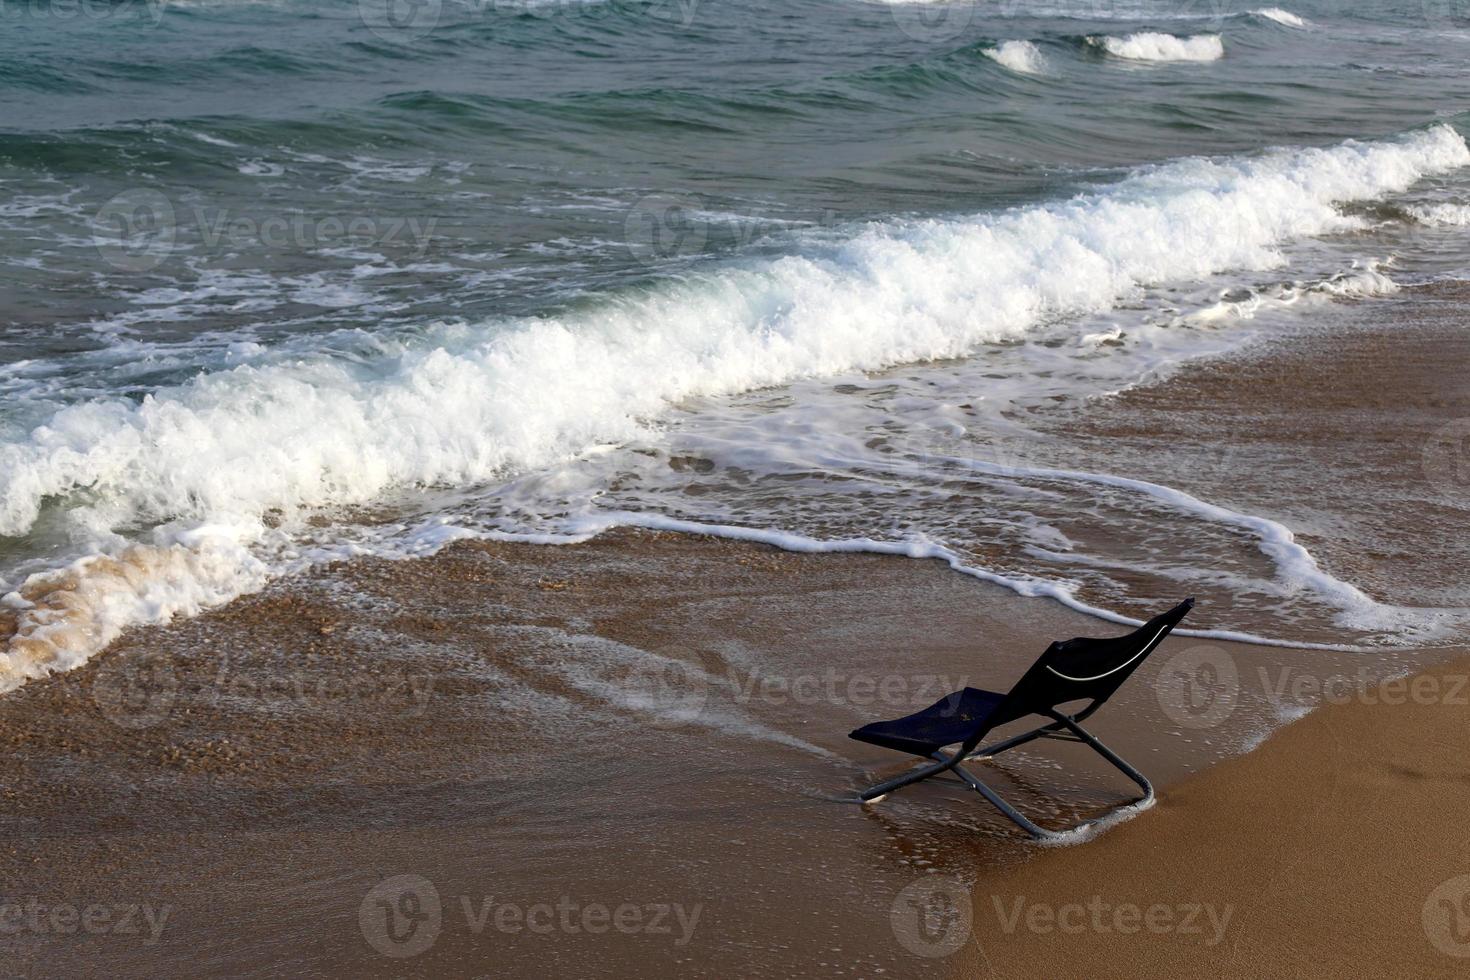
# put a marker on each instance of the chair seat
(951, 719)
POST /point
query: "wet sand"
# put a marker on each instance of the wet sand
(521, 727)
(650, 721)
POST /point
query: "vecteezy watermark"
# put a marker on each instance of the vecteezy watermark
(675, 686)
(935, 22)
(406, 21)
(665, 226)
(931, 22)
(1201, 686)
(1290, 687)
(400, 21)
(669, 685)
(381, 689)
(117, 11)
(933, 917)
(662, 226)
(134, 231)
(135, 689)
(403, 916)
(1446, 917)
(139, 689)
(1446, 460)
(833, 686)
(1206, 921)
(33, 916)
(138, 229)
(1198, 687)
(1446, 13)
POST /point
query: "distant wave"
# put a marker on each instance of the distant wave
(1018, 56)
(1280, 16)
(1151, 46)
(468, 403)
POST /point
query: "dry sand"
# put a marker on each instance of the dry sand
(1339, 849)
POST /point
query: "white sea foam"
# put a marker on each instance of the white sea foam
(1368, 280)
(461, 404)
(1152, 46)
(1284, 17)
(1018, 56)
(1442, 215)
(1299, 569)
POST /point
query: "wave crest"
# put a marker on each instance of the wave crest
(1018, 56)
(1152, 46)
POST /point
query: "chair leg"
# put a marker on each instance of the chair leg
(1084, 736)
(952, 762)
(999, 802)
(989, 751)
(1117, 761)
(875, 793)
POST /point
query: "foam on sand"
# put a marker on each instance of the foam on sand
(216, 465)
(1151, 46)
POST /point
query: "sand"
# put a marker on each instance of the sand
(528, 736)
(646, 721)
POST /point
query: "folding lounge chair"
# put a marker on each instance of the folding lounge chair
(1071, 671)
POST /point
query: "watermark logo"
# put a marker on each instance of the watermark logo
(135, 690)
(932, 917)
(401, 916)
(138, 229)
(1446, 13)
(150, 11)
(670, 685)
(680, 12)
(97, 919)
(1447, 460)
(934, 22)
(134, 231)
(1198, 687)
(1446, 917)
(1096, 915)
(662, 226)
(399, 21)
(1293, 689)
(139, 690)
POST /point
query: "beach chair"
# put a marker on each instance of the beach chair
(1069, 672)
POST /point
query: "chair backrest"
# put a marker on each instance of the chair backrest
(1082, 669)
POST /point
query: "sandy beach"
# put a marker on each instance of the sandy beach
(249, 780)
